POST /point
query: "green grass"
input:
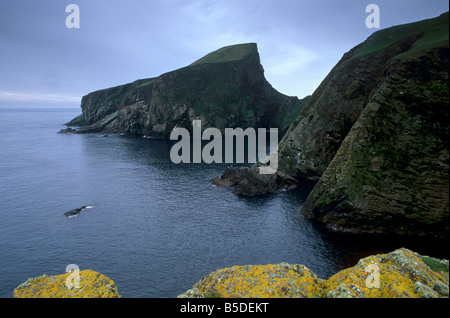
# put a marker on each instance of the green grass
(147, 83)
(431, 32)
(227, 54)
(434, 264)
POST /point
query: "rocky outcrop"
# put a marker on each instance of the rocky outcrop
(399, 274)
(224, 89)
(247, 181)
(375, 136)
(90, 285)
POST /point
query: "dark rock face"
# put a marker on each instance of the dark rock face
(375, 136)
(225, 89)
(391, 172)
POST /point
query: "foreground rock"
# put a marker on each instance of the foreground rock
(91, 285)
(402, 274)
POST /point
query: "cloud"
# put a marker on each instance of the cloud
(289, 60)
(299, 41)
(39, 97)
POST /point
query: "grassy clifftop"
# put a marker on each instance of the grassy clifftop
(428, 34)
(228, 54)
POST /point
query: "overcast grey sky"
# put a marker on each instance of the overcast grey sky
(43, 63)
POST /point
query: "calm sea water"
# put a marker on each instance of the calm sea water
(155, 228)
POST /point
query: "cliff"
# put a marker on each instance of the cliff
(390, 173)
(91, 285)
(399, 274)
(225, 89)
(375, 136)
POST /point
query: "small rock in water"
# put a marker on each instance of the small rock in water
(75, 212)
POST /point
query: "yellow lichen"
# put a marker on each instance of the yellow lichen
(401, 273)
(91, 285)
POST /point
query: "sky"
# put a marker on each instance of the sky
(45, 64)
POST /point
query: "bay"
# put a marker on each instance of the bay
(155, 227)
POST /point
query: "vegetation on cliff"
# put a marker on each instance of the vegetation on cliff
(399, 274)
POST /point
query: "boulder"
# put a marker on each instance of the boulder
(91, 285)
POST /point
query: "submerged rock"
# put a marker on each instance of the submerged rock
(399, 274)
(91, 285)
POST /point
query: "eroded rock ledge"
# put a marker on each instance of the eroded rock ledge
(402, 274)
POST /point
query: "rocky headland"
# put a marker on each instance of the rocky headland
(224, 89)
(374, 135)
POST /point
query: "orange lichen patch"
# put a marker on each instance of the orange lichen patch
(401, 273)
(91, 285)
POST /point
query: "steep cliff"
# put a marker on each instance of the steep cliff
(318, 132)
(390, 173)
(375, 132)
(225, 89)
(399, 274)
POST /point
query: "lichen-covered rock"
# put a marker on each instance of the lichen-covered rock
(266, 281)
(399, 274)
(91, 285)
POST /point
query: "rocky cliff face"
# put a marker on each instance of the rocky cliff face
(318, 132)
(375, 133)
(225, 89)
(399, 274)
(390, 173)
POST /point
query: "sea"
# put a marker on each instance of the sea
(152, 226)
